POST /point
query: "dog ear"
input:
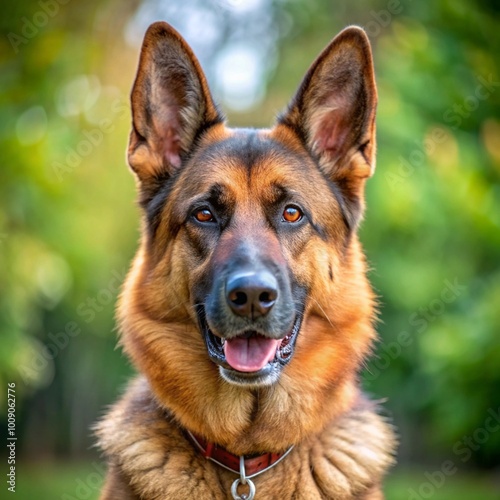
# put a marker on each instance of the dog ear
(171, 105)
(334, 110)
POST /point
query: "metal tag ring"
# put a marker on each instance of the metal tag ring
(234, 490)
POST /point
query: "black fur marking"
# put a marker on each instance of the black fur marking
(280, 195)
(296, 128)
(200, 132)
(154, 206)
(221, 201)
(349, 206)
(246, 146)
(362, 150)
(255, 407)
(218, 201)
(349, 209)
(200, 240)
(153, 198)
(206, 125)
(318, 228)
(147, 106)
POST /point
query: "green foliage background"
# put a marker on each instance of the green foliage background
(431, 232)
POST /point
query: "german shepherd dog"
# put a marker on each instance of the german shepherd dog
(247, 310)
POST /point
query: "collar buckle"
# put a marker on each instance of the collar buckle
(244, 481)
(238, 464)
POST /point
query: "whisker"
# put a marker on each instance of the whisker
(347, 337)
(324, 313)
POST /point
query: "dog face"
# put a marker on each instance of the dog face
(249, 270)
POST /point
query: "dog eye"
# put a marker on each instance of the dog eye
(204, 215)
(292, 214)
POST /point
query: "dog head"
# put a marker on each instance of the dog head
(249, 270)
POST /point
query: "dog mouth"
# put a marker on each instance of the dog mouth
(250, 353)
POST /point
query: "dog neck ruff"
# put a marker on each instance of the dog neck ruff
(247, 468)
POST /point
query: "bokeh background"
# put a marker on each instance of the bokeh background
(69, 222)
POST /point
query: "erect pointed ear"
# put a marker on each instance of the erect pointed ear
(171, 105)
(334, 110)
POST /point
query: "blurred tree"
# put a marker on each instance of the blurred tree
(62, 134)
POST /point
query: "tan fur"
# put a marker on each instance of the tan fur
(342, 448)
(149, 452)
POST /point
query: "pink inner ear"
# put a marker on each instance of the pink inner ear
(167, 130)
(172, 147)
(332, 124)
(332, 132)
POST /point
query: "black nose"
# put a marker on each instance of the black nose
(251, 294)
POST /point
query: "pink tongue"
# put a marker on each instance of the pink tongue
(250, 355)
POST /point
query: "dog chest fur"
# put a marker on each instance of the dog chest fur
(149, 453)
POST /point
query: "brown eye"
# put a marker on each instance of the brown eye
(204, 215)
(292, 214)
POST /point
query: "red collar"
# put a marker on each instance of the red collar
(253, 466)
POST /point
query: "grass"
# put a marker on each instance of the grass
(420, 485)
(70, 481)
(61, 481)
